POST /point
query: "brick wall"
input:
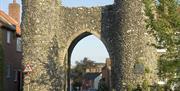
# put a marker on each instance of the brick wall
(14, 11)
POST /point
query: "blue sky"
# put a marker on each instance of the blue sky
(87, 3)
(89, 46)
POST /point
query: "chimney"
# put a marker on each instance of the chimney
(14, 11)
(108, 62)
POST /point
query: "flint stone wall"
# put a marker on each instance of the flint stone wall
(49, 29)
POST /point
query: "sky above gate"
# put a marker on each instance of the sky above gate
(89, 46)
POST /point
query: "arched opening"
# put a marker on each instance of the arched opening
(96, 72)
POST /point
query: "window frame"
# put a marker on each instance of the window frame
(8, 71)
(8, 37)
(15, 75)
(19, 44)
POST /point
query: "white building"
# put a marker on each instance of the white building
(96, 81)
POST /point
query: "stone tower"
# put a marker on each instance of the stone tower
(51, 31)
(14, 11)
(134, 58)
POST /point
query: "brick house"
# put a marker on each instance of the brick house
(92, 76)
(89, 79)
(10, 49)
(97, 67)
(106, 73)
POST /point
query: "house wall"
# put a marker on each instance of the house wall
(10, 58)
(96, 81)
(12, 62)
(106, 74)
(86, 84)
(1, 62)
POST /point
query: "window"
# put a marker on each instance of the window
(97, 70)
(19, 45)
(15, 75)
(8, 71)
(87, 70)
(93, 70)
(8, 37)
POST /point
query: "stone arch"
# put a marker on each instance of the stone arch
(120, 26)
(72, 43)
(79, 35)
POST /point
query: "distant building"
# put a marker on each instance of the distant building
(96, 81)
(92, 76)
(10, 49)
(97, 67)
(90, 81)
(106, 73)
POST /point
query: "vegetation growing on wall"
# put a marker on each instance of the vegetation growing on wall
(130, 87)
(164, 21)
(145, 85)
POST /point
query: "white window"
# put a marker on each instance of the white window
(87, 70)
(8, 36)
(8, 71)
(19, 45)
(15, 75)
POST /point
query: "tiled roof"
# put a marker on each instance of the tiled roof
(91, 76)
(10, 22)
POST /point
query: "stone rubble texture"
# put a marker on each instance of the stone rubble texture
(51, 30)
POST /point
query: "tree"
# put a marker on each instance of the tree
(82, 65)
(165, 26)
(80, 70)
(102, 85)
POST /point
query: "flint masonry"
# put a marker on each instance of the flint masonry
(50, 32)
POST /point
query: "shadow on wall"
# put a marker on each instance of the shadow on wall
(53, 77)
(109, 34)
(54, 70)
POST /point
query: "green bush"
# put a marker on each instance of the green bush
(147, 70)
(160, 88)
(145, 85)
(129, 87)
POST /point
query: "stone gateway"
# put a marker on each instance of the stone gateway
(51, 31)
